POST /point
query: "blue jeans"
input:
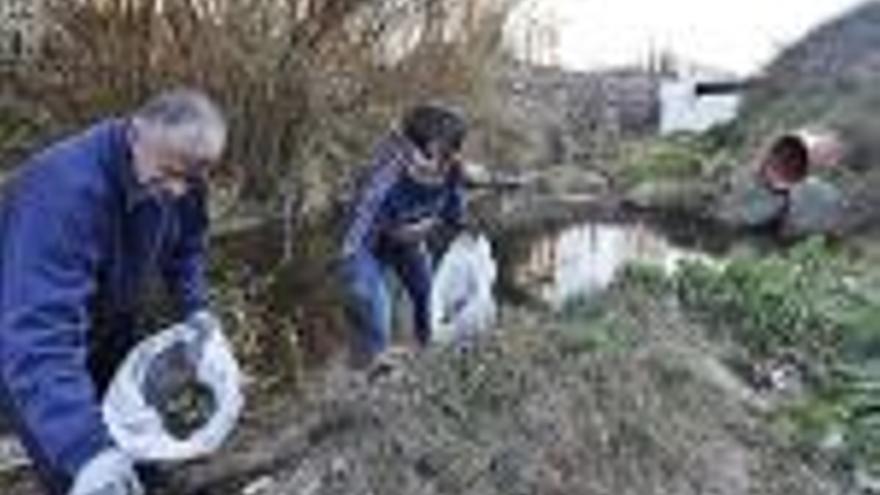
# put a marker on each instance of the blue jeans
(368, 302)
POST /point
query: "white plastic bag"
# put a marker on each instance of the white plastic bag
(462, 299)
(137, 427)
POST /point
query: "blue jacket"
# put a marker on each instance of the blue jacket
(390, 198)
(78, 236)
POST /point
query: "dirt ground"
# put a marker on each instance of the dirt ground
(546, 406)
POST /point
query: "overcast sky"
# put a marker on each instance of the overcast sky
(738, 35)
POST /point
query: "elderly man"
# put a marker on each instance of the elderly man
(415, 185)
(84, 224)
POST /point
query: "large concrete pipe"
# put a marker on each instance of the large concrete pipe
(782, 190)
(793, 156)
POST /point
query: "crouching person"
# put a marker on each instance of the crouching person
(414, 186)
(83, 225)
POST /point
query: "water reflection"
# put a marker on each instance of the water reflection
(583, 260)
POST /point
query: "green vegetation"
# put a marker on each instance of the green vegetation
(678, 157)
(815, 306)
(772, 303)
(815, 303)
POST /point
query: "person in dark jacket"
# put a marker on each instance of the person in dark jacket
(414, 185)
(84, 224)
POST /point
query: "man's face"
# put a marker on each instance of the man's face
(168, 168)
(177, 170)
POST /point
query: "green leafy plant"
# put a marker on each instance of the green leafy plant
(679, 157)
(811, 301)
(772, 303)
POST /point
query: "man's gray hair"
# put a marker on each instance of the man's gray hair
(185, 119)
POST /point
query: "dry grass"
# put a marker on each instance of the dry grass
(536, 411)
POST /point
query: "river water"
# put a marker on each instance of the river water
(581, 260)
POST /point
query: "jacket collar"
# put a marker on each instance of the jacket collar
(120, 163)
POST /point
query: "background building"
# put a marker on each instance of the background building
(20, 28)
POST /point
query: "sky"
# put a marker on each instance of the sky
(736, 35)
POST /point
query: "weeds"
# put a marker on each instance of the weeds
(679, 157)
(811, 303)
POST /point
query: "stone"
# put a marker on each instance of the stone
(749, 203)
(815, 206)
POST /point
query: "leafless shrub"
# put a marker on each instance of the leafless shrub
(307, 83)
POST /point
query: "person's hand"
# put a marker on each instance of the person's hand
(204, 323)
(111, 472)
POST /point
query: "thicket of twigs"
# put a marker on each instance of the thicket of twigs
(307, 84)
